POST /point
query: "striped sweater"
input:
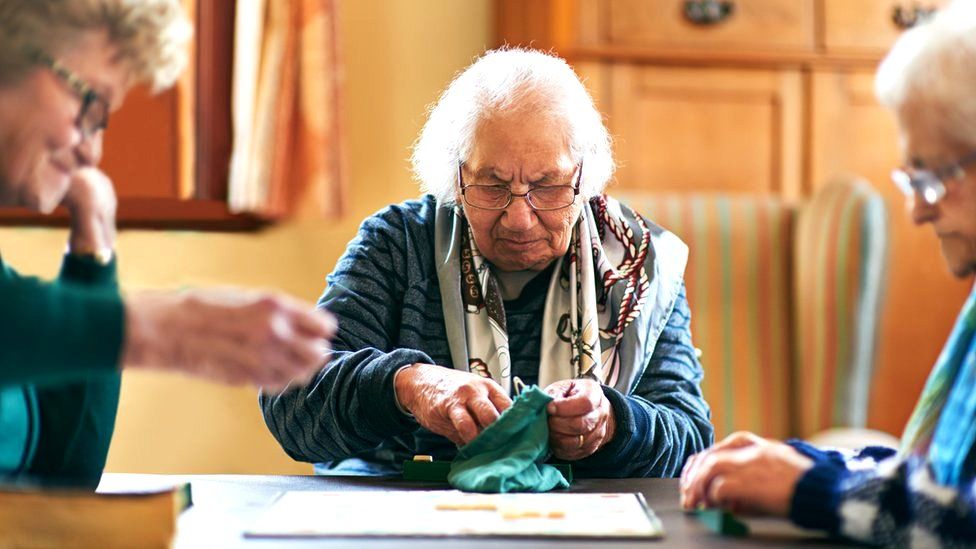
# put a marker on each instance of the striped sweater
(385, 293)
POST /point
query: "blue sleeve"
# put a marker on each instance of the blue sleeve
(350, 406)
(666, 418)
(879, 498)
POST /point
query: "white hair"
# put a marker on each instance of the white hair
(507, 79)
(935, 62)
(151, 35)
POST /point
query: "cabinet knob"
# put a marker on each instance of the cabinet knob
(708, 12)
(907, 17)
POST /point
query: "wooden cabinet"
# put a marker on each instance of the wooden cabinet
(731, 130)
(777, 98)
(750, 24)
(869, 25)
(850, 133)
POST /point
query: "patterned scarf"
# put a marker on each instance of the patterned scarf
(943, 425)
(604, 306)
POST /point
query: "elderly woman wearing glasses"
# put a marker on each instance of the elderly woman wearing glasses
(64, 65)
(515, 266)
(923, 494)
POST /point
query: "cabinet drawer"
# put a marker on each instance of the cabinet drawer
(707, 130)
(750, 25)
(869, 25)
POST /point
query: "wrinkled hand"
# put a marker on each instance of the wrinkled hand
(227, 336)
(92, 204)
(744, 473)
(579, 408)
(454, 404)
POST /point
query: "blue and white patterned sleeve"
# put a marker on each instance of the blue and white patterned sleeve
(879, 498)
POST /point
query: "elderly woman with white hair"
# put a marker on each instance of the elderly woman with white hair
(925, 493)
(514, 266)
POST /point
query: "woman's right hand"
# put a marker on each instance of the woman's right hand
(451, 403)
(228, 336)
(92, 204)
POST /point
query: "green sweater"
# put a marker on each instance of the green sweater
(59, 376)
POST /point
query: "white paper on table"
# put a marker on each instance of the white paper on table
(435, 514)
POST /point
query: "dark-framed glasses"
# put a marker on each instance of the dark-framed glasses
(499, 197)
(930, 184)
(93, 116)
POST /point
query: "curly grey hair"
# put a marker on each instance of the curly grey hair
(151, 35)
(501, 80)
(936, 62)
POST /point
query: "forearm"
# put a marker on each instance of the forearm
(650, 440)
(666, 418)
(349, 408)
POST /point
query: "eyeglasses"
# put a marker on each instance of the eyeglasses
(930, 184)
(499, 197)
(93, 116)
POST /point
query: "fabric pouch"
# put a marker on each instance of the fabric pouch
(508, 455)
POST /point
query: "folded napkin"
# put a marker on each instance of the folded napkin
(508, 455)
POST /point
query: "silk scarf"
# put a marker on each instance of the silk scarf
(943, 426)
(607, 302)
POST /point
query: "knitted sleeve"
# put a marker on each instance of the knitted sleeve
(876, 497)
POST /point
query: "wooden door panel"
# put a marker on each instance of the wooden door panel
(700, 130)
(596, 78)
(753, 24)
(851, 133)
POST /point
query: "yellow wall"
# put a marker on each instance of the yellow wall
(398, 55)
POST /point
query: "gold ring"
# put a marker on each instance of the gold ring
(580, 444)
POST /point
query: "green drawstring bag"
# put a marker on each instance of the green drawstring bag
(508, 455)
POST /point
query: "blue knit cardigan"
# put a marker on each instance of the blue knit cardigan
(385, 293)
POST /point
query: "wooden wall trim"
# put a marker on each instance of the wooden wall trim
(715, 57)
(149, 213)
(214, 134)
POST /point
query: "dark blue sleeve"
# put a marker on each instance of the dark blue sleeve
(350, 406)
(879, 498)
(666, 418)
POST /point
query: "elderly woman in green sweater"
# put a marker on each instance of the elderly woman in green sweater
(64, 66)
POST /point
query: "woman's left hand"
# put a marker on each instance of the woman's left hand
(581, 419)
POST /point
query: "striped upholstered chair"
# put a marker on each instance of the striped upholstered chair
(782, 299)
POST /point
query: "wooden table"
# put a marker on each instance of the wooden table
(223, 506)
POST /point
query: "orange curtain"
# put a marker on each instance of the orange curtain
(286, 109)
